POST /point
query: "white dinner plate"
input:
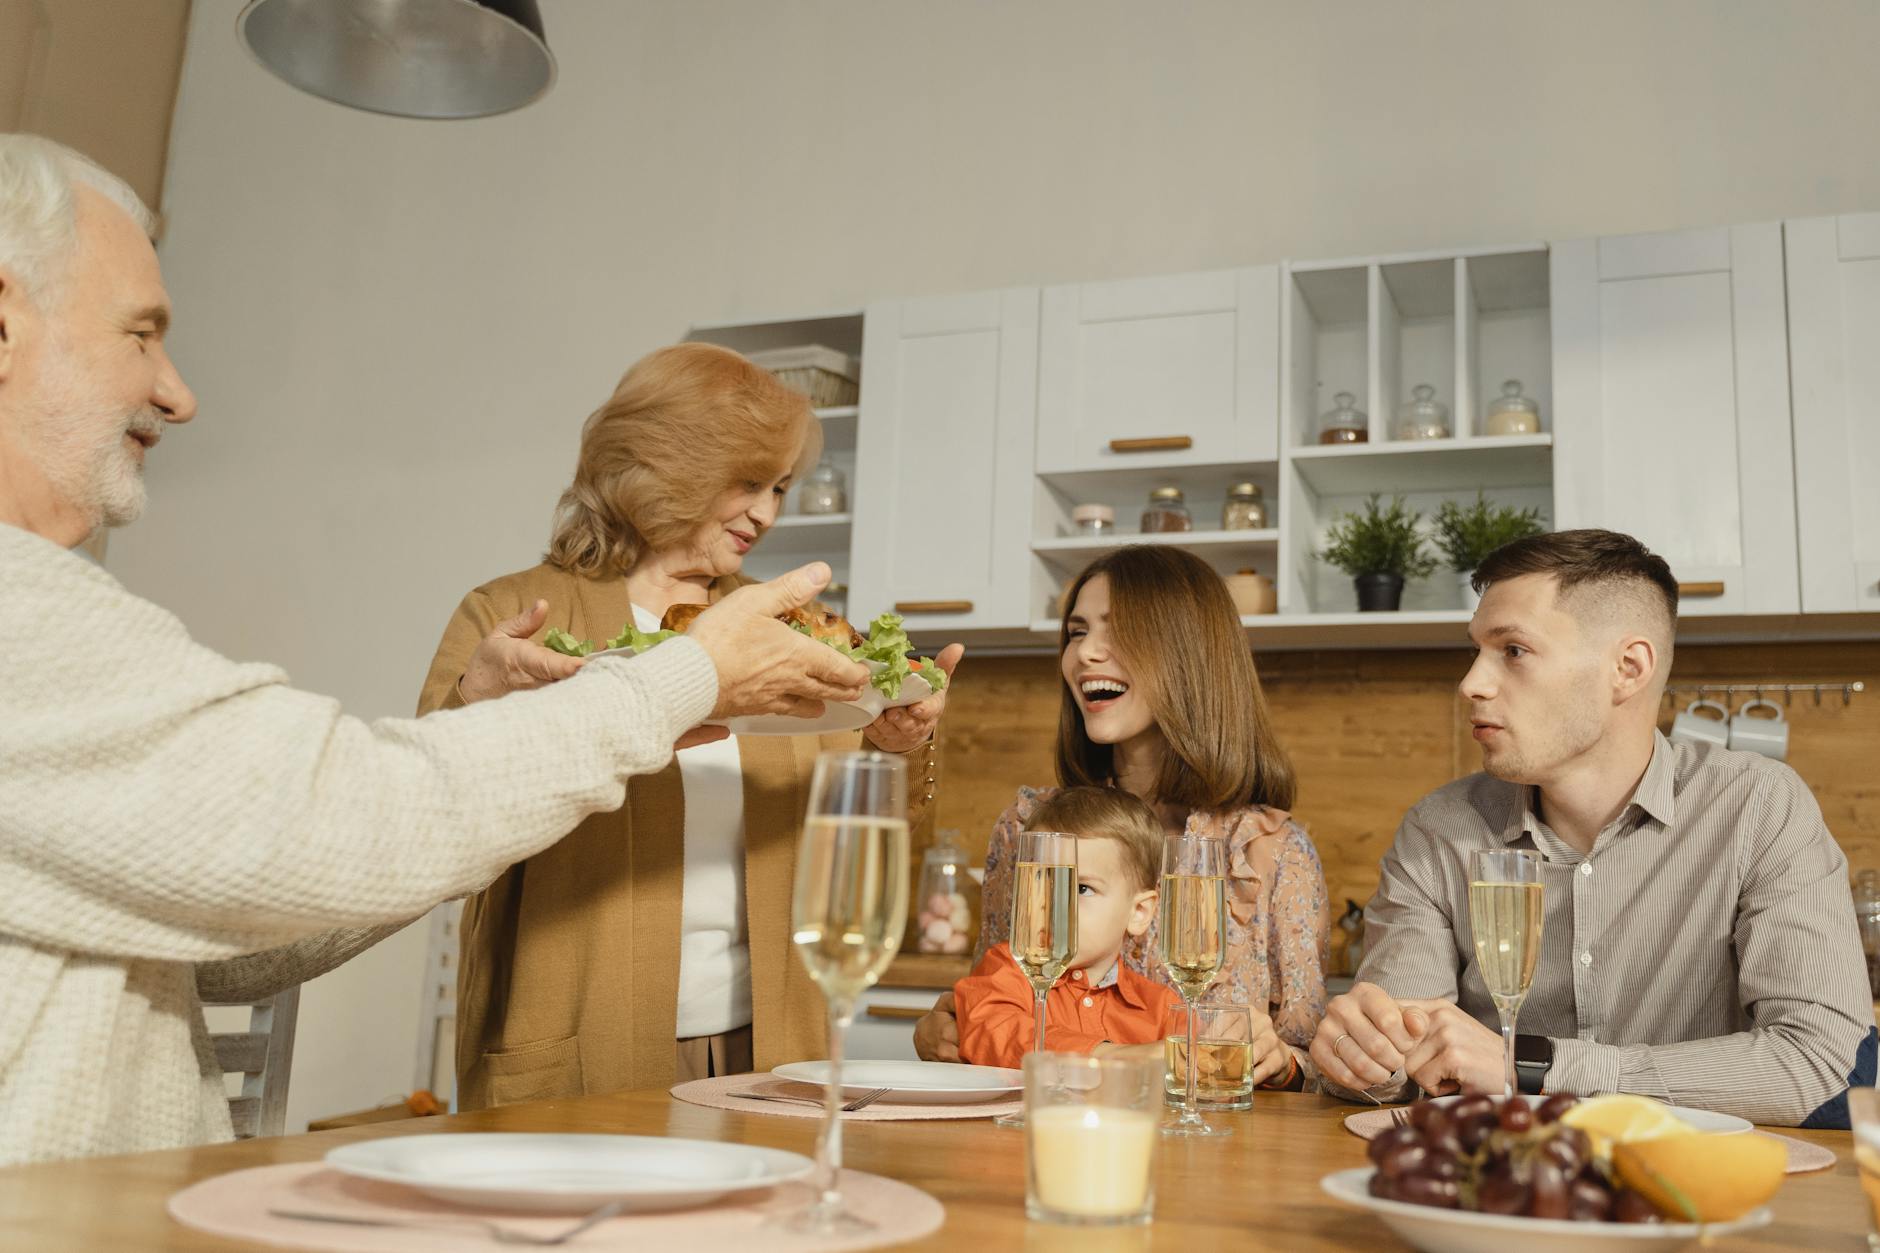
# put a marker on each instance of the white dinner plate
(836, 715)
(1696, 1119)
(560, 1173)
(1461, 1231)
(915, 1083)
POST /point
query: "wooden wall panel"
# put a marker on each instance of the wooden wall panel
(1370, 732)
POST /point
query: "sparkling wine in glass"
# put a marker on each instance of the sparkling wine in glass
(1192, 931)
(1505, 915)
(1044, 921)
(847, 914)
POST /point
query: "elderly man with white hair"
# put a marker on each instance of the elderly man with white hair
(175, 825)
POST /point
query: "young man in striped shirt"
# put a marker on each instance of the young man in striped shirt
(1699, 944)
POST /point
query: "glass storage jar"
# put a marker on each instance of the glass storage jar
(1245, 509)
(1344, 423)
(1423, 416)
(1166, 512)
(1093, 520)
(824, 491)
(1512, 413)
(946, 904)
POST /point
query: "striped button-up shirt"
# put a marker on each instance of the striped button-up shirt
(1704, 952)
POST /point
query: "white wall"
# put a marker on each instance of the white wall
(396, 327)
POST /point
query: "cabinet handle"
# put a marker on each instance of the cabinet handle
(1701, 589)
(1160, 443)
(933, 606)
(904, 1013)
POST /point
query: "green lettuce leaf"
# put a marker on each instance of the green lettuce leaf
(639, 641)
(564, 643)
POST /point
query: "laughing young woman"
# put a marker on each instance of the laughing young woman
(1160, 698)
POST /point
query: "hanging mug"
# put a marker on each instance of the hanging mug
(1695, 727)
(1768, 736)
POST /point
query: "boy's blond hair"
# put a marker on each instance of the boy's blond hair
(1111, 814)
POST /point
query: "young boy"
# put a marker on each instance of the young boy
(1099, 999)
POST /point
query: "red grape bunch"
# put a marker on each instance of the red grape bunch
(1501, 1157)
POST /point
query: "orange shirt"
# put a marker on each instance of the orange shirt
(995, 1005)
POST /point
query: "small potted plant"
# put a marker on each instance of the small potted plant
(1379, 548)
(1467, 536)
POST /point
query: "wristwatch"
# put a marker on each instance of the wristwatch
(1533, 1058)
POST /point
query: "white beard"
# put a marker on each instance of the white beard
(82, 453)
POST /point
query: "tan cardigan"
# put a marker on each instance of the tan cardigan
(569, 983)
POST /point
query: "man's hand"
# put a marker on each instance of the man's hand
(937, 1034)
(907, 728)
(763, 666)
(1365, 1036)
(1456, 1053)
(508, 661)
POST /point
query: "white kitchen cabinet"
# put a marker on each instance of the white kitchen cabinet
(1834, 356)
(1671, 407)
(1154, 372)
(943, 461)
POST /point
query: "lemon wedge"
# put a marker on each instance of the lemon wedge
(1704, 1178)
(1624, 1119)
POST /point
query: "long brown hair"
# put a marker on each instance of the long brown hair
(685, 425)
(1180, 635)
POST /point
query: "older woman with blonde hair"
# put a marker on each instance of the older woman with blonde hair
(651, 944)
(1160, 698)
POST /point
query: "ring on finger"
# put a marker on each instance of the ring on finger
(1340, 1040)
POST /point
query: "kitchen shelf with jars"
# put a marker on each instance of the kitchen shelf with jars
(819, 355)
(1221, 513)
(1419, 379)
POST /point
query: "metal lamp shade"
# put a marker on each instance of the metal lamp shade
(409, 58)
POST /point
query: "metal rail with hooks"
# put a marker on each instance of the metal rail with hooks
(1788, 690)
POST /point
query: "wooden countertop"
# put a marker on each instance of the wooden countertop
(1257, 1189)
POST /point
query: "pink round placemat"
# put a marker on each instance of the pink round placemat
(1803, 1156)
(719, 1094)
(237, 1204)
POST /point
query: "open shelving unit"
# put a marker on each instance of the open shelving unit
(1461, 322)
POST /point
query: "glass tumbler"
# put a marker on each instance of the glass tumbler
(1090, 1138)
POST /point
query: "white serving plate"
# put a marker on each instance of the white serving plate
(561, 1173)
(1459, 1231)
(836, 715)
(914, 1083)
(1696, 1119)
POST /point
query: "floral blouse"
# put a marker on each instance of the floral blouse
(1279, 921)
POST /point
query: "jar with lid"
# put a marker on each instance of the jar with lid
(1245, 509)
(1252, 592)
(1167, 511)
(945, 921)
(1344, 422)
(1512, 413)
(1093, 520)
(1423, 416)
(1867, 913)
(824, 491)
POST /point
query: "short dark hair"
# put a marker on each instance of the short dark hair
(1107, 813)
(1585, 558)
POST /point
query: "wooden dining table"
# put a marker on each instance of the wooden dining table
(1255, 1189)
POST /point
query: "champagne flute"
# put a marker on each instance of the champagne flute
(1505, 915)
(1044, 920)
(847, 914)
(1193, 935)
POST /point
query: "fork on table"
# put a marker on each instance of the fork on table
(500, 1234)
(861, 1102)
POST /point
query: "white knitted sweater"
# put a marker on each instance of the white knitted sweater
(174, 824)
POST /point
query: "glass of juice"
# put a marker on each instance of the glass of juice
(1224, 1064)
(1091, 1130)
(1863, 1104)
